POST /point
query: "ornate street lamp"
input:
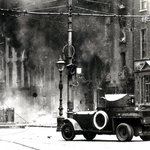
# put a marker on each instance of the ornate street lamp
(60, 65)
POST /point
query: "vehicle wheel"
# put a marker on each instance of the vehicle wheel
(68, 132)
(145, 138)
(124, 132)
(89, 135)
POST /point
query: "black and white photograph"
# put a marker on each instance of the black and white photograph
(74, 74)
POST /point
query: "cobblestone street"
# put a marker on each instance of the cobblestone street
(37, 138)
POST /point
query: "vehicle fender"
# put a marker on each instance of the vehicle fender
(74, 123)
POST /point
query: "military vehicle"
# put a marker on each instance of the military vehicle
(122, 115)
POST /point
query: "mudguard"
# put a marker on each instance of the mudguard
(74, 123)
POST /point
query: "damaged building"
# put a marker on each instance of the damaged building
(104, 49)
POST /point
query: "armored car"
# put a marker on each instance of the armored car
(122, 115)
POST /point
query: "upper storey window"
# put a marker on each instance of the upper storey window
(143, 5)
(143, 43)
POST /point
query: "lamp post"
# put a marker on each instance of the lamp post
(70, 99)
(60, 65)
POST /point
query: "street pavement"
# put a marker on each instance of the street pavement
(44, 138)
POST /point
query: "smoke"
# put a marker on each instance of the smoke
(91, 38)
(42, 38)
(26, 111)
(40, 5)
(49, 34)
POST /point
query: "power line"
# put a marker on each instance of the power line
(25, 12)
(49, 1)
(91, 1)
(109, 15)
(62, 6)
(86, 9)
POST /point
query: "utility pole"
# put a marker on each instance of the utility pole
(69, 64)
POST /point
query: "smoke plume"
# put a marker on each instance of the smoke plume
(42, 38)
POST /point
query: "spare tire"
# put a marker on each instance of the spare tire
(100, 120)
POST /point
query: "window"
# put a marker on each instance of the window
(143, 4)
(1, 62)
(143, 43)
(1, 39)
(10, 51)
(10, 68)
(19, 73)
(1, 69)
(52, 73)
(123, 59)
(26, 75)
(145, 89)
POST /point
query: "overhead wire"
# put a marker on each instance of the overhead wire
(94, 14)
(55, 7)
(25, 12)
(49, 1)
(94, 1)
(86, 9)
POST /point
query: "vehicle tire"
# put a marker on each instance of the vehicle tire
(124, 132)
(89, 136)
(145, 138)
(68, 132)
(100, 120)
